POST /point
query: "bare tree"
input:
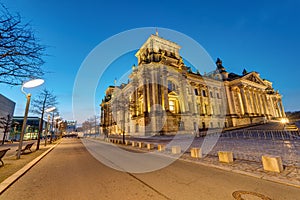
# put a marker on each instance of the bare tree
(40, 103)
(94, 123)
(20, 51)
(5, 124)
(87, 126)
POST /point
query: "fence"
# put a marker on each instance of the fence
(263, 134)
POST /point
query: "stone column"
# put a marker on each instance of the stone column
(254, 109)
(244, 99)
(145, 98)
(201, 100)
(183, 94)
(159, 88)
(258, 108)
(166, 98)
(134, 95)
(154, 88)
(240, 102)
(149, 96)
(258, 95)
(209, 110)
(264, 97)
(263, 107)
(273, 108)
(233, 102)
(282, 109)
(278, 108)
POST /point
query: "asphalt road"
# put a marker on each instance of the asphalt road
(71, 172)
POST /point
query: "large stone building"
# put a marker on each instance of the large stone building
(164, 96)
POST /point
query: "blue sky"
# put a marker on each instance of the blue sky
(260, 36)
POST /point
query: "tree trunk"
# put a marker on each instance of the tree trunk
(41, 124)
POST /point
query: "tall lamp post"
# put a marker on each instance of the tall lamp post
(48, 110)
(56, 118)
(29, 84)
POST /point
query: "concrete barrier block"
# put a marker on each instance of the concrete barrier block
(225, 156)
(176, 149)
(161, 147)
(150, 146)
(196, 153)
(272, 163)
(141, 144)
(133, 143)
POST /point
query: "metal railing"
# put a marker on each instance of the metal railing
(263, 134)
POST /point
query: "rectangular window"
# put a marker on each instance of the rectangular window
(204, 93)
(172, 106)
(196, 92)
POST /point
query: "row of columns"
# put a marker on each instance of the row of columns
(246, 100)
(154, 88)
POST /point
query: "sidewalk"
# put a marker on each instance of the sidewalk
(12, 165)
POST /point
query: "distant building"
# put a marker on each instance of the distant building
(7, 108)
(164, 96)
(32, 127)
(71, 126)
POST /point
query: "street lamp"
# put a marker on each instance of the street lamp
(29, 84)
(56, 119)
(52, 109)
(48, 110)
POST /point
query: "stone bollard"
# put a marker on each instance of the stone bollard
(196, 153)
(176, 149)
(141, 144)
(225, 156)
(150, 146)
(161, 147)
(272, 163)
(133, 143)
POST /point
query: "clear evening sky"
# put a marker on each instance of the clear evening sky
(260, 36)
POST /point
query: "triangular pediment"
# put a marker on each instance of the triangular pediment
(172, 93)
(254, 77)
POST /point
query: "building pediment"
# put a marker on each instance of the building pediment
(172, 93)
(254, 78)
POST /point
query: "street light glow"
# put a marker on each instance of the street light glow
(57, 117)
(50, 109)
(33, 83)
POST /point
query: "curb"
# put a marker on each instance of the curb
(237, 171)
(13, 178)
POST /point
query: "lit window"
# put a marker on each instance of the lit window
(172, 106)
